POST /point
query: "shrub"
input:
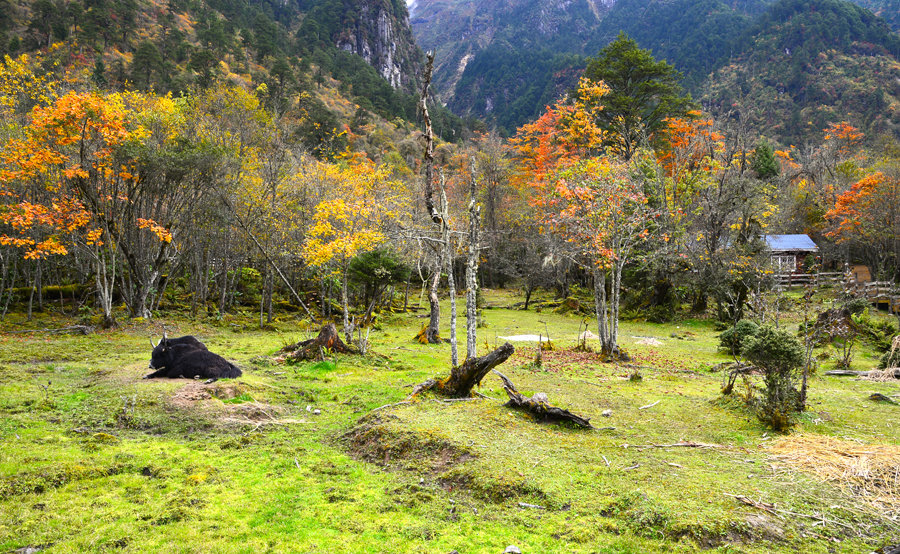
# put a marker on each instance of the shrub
(778, 354)
(734, 338)
(856, 306)
(662, 313)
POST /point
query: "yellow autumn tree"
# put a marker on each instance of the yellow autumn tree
(360, 199)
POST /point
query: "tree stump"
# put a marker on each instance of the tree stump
(538, 405)
(313, 348)
(465, 376)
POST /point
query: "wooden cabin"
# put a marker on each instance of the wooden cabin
(789, 252)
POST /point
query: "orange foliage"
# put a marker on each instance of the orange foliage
(870, 209)
(65, 156)
(690, 144)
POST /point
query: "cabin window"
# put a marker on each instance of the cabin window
(785, 263)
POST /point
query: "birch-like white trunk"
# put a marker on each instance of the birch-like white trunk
(448, 267)
(472, 274)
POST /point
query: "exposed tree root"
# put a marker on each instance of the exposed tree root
(313, 349)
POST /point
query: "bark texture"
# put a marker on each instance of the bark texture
(464, 377)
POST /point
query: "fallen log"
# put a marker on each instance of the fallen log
(538, 406)
(312, 349)
(71, 329)
(465, 376)
(850, 372)
(878, 397)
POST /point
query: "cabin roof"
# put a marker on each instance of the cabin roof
(790, 243)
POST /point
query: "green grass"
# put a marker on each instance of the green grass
(94, 458)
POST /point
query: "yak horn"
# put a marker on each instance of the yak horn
(151, 343)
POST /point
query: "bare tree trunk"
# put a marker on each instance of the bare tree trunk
(39, 285)
(614, 308)
(31, 300)
(345, 303)
(223, 286)
(432, 332)
(105, 278)
(9, 291)
(451, 281)
(3, 274)
(262, 303)
(270, 290)
(600, 308)
(472, 273)
(429, 143)
(406, 293)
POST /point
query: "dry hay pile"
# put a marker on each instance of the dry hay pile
(882, 376)
(889, 373)
(871, 471)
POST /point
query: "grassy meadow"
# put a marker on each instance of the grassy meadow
(93, 458)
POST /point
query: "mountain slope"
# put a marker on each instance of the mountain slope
(808, 63)
(180, 45)
(459, 30)
(506, 61)
(503, 60)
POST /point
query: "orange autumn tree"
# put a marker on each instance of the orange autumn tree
(585, 197)
(868, 217)
(823, 173)
(602, 214)
(100, 171)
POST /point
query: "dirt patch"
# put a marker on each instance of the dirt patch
(189, 395)
(229, 403)
(194, 392)
(373, 440)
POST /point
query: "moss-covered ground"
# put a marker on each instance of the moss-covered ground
(93, 458)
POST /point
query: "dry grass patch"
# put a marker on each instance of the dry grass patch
(871, 471)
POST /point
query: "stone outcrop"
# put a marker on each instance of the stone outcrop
(381, 35)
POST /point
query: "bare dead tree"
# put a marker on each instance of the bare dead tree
(431, 334)
(448, 266)
(429, 143)
(464, 377)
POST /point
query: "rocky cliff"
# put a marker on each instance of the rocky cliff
(379, 32)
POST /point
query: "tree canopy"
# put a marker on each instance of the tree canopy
(643, 93)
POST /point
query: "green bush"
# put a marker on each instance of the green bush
(856, 306)
(663, 313)
(734, 338)
(778, 354)
(876, 332)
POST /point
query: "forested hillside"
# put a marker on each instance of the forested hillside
(807, 64)
(291, 47)
(504, 64)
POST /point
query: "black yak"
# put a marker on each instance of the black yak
(188, 357)
(189, 340)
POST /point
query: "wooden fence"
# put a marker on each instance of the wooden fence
(882, 294)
